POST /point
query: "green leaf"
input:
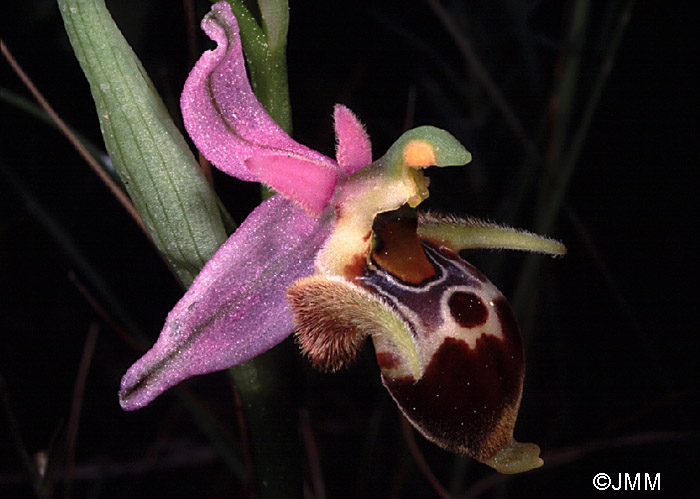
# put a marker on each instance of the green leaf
(162, 177)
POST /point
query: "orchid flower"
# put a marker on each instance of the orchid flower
(339, 254)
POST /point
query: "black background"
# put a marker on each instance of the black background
(612, 380)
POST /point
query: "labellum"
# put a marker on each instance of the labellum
(446, 341)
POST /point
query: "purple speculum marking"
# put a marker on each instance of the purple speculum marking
(450, 273)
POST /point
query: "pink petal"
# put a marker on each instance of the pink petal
(221, 113)
(308, 183)
(236, 308)
(353, 150)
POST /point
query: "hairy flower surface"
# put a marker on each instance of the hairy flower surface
(340, 254)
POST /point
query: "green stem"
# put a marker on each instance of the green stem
(267, 58)
(267, 384)
(268, 387)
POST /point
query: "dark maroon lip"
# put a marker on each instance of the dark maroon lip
(466, 394)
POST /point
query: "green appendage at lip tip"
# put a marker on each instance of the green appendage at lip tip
(516, 457)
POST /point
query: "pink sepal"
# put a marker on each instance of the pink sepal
(236, 308)
(221, 113)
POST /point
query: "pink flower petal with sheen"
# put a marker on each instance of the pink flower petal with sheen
(236, 308)
(308, 183)
(353, 149)
(222, 115)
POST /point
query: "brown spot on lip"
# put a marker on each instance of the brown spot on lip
(467, 309)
